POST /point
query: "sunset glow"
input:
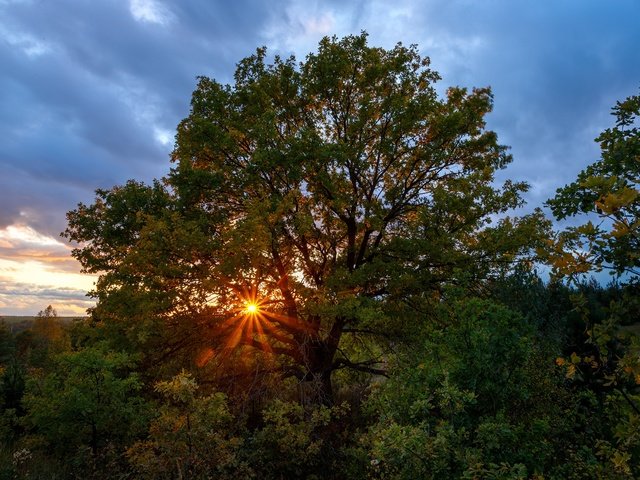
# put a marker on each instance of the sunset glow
(37, 270)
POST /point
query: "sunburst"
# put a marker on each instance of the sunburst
(251, 308)
(252, 322)
(249, 318)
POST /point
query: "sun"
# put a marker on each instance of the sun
(251, 308)
(252, 321)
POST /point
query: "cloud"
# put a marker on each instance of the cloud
(14, 235)
(10, 288)
(26, 299)
(42, 271)
(21, 243)
(36, 270)
(28, 44)
(299, 27)
(150, 11)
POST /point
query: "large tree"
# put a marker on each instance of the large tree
(310, 203)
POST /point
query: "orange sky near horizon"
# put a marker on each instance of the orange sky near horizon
(37, 270)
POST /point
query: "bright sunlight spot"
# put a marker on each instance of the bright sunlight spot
(251, 308)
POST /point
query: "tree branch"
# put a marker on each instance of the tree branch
(360, 366)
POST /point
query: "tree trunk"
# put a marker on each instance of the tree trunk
(318, 365)
(94, 440)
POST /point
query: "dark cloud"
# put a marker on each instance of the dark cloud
(555, 73)
(88, 92)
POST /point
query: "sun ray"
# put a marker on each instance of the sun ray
(204, 357)
(254, 321)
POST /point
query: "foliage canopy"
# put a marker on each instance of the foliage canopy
(340, 194)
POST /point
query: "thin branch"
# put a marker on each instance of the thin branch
(629, 401)
(360, 366)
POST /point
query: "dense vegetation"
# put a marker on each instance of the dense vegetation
(329, 284)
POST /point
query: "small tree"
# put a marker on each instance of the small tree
(192, 437)
(50, 337)
(89, 398)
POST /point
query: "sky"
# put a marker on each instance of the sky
(91, 93)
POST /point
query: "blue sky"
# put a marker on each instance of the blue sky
(91, 92)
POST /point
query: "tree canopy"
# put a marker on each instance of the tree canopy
(309, 201)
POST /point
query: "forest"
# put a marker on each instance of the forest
(331, 282)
